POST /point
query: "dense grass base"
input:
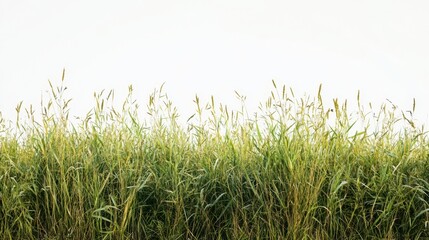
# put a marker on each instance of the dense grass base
(291, 172)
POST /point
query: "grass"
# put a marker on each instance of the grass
(293, 170)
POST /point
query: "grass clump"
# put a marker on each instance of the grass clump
(293, 170)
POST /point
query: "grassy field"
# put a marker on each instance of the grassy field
(293, 170)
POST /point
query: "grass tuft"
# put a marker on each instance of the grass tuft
(293, 170)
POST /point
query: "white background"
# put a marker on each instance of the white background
(380, 47)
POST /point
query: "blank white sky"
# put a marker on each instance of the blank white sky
(213, 48)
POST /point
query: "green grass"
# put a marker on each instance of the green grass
(294, 170)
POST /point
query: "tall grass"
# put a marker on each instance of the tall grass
(293, 170)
